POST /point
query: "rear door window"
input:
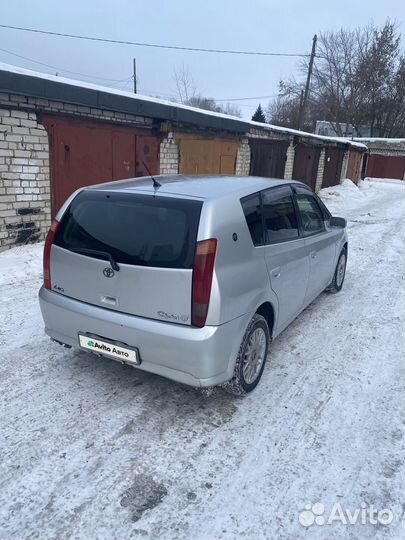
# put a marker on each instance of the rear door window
(312, 217)
(135, 229)
(253, 213)
(280, 219)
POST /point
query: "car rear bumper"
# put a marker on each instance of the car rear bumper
(194, 356)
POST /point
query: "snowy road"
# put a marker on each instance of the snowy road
(93, 449)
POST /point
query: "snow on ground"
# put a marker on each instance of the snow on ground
(93, 449)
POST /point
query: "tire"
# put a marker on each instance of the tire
(339, 275)
(247, 375)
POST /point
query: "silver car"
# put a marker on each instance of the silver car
(188, 277)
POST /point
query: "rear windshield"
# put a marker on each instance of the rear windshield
(134, 229)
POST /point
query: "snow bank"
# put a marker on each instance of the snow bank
(21, 263)
(346, 190)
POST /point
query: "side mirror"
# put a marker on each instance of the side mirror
(337, 222)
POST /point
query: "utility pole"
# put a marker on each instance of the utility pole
(134, 75)
(308, 83)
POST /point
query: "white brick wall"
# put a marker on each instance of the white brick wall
(289, 164)
(345, 162)
(24, 178)
(169, 155)
(321, 168)
(243, 159)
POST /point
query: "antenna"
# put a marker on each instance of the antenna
(156, 184)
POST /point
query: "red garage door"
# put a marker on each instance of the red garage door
(306, 162)
(332, 167)
(84, 153)
(380, 166)
(267, 158)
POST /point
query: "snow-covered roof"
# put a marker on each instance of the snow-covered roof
(115, 92)
(385, 140)
(290, 131)
(146, 105)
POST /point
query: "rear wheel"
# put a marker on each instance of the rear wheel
(339, 275)
(251, 358)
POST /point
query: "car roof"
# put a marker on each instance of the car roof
(200, 187)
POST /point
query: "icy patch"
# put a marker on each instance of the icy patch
(144, 494)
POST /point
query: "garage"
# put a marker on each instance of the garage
(385, 166)
(306, 162)
(85, 153)
(200, 155)
(332, 167)
(268, 157)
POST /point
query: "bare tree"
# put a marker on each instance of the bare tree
(358, 80)
(186, 93)
(284, 110)
(185, 84)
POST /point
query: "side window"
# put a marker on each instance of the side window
(312, 218)
(253, 214)
(280, 220)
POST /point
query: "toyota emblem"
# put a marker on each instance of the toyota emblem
(108, 272)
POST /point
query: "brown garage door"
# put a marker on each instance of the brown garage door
(268, 158)
(354, 166)
(333, 167)
(380, 166)
(85, 153)
(306, 161)
(207, 156)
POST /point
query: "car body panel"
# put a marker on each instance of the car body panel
(288, 269)
(321, 250)
(195, 356)
(138, 290)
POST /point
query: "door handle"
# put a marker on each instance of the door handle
(314, 254)
(276, 272)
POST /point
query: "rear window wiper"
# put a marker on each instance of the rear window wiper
(88, 251)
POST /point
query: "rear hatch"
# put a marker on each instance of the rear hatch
(128, 252)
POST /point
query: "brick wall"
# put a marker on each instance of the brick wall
(289, 164)
(25, 188)
(243, 159)
(24, 172)
(169, 155)
(345, 162)
(321, 168)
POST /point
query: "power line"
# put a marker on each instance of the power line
(119, 81)
(61, 69)
(124, 81)
(246, 98)
(153, 45)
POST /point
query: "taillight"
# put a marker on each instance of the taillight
(202, 279)
(47, 253)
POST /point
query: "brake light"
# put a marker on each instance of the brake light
(47, 253)
(202, 279)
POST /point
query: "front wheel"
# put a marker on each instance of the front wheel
(339, 275)
(251, 358)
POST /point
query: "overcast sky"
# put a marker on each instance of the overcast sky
(262, 25)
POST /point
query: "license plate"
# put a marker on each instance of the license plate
(108, 348)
